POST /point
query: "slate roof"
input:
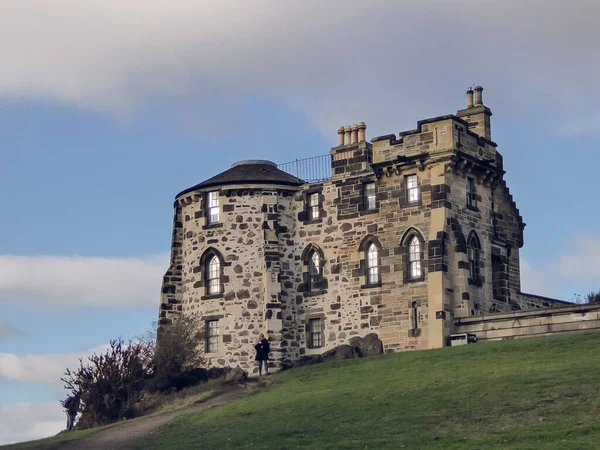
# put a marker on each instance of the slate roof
(248, 172)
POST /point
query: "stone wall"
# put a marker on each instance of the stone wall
(538, 322)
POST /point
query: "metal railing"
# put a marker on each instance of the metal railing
(311, 170)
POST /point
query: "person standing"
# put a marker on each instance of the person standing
(262, 354)
(71, 405)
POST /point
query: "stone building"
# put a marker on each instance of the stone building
(408, 234)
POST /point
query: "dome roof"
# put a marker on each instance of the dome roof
(248, 172)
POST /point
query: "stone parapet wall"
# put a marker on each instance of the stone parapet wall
(532, 301)
(538, 322)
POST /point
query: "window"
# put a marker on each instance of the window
(473, 255)
(415, 316)
(370, 198)
(414, 258)
(212, 201)
(213, 276)
(314, 271)
(212, 336)
(372, 265)
(313, 206)
(471, 192)
(315, 333)
(412, 188)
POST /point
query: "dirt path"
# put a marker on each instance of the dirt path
(121, 436)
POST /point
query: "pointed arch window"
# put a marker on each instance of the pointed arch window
(414, 258)
(413, 247)
(372, 264)
(473, 253)
(213, 276)
(313, 260)
(314, 271)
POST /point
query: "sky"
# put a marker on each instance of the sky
(108, 109)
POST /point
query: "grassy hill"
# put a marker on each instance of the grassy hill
(523, 394)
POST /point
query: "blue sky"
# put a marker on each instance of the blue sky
(108, 110)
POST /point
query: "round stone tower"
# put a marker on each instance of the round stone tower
(227, 255)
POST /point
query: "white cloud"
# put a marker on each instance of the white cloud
(25, 421)
(45, 368)
(82, 281)
(385, 62)
(582, 261)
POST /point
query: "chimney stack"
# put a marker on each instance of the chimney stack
(361, 132)
(340, 136)
(354, 133)
(347, 135)
(470, 98)
(478, 96)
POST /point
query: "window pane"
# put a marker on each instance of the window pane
(372, 265)
(212, 336)
(313, 206)
(414, 250)
(214, 276)
(314, 212)
(314, 271)
(413, 188)
(213, 207)
(371, 202)
(369, 192)
(411, 181)
(315, 328)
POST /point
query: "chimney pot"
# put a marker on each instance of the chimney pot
(478, 96)
(340, 136)
(470, 98)
(347, 134)
(354, 133)
(361, 132)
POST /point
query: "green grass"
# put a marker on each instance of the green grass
(55, 441)
(521, 394)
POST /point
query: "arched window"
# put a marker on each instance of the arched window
(414, 258)
(414, 255)
(313, 261)
(213, 279)
(473, 250)
(213, 275)
(372, 264)
(314, 271)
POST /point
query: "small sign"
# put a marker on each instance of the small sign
(576, 317)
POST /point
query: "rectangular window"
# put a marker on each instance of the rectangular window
(313, 206)
(471, 192)
(212, 212)
(212, 336)
(412, 188)
(370, 198)
(315, 333)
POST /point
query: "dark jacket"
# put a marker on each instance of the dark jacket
(262, 350)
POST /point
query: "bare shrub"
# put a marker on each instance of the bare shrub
(178, 354)
(110, 383)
